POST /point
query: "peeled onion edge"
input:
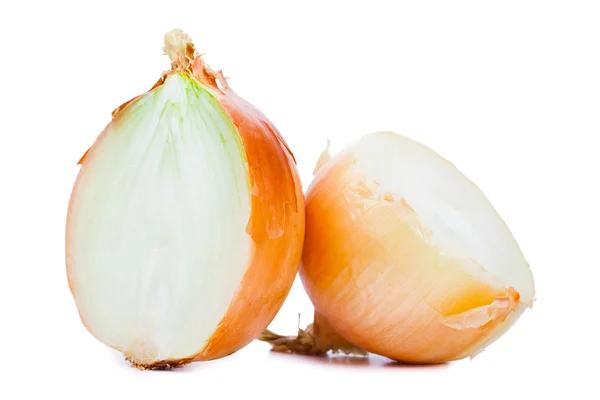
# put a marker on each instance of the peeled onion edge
(404, 257)
(186, 221)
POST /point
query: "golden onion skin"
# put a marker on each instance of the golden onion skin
(379, 277)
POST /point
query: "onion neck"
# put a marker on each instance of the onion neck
(182, 53)
(180, 49)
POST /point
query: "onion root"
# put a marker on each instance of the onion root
(316, 340)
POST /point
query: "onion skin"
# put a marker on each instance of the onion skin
(276, 226)
(378, 280)
(276, 223)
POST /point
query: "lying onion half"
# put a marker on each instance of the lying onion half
(405, 257)
(186, 222)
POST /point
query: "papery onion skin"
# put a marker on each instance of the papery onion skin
(275, 226)
(380, 279)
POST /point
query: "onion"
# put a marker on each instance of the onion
(405, 257)
(186, 221)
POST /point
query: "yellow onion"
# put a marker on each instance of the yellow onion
(186, 222)
(405, 257)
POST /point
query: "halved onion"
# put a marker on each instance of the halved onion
(405, 257)
(186, 222)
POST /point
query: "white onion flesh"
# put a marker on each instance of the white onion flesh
(158, 225)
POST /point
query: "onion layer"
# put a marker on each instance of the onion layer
(186, 222)
(405, 257)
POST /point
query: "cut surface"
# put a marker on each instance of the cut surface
(448, 203)
(156, 236)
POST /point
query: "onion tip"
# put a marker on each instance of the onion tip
(180, 49)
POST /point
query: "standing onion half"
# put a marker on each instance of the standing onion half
(405, 257)
(186, 221)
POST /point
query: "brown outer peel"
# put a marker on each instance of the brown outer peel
(276, 226)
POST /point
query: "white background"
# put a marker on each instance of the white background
(509, 91)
